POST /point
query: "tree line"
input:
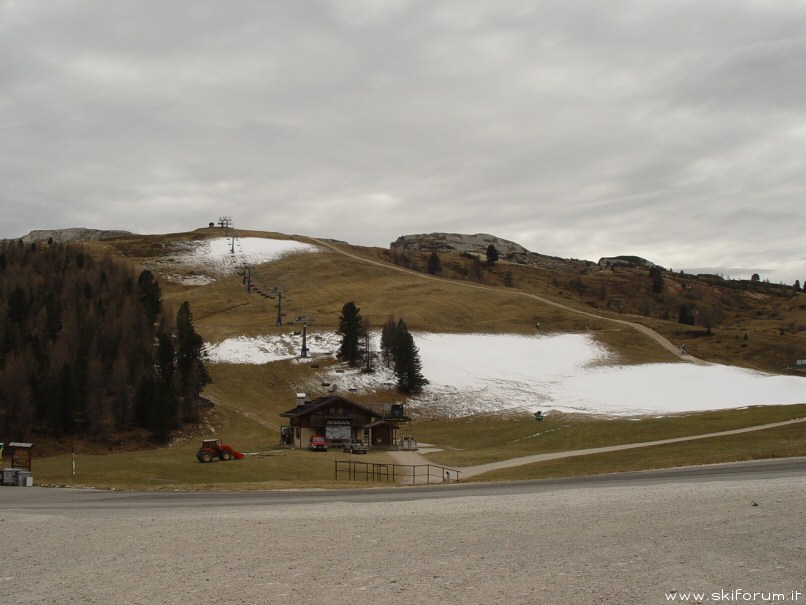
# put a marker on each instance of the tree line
(87, 348)
(397, 347)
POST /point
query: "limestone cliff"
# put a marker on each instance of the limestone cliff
(75, 234)
(477, 244)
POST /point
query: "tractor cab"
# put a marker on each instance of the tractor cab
(213, 448)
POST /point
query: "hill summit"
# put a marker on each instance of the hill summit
(457, 242)
(478, 243)
(74, 234)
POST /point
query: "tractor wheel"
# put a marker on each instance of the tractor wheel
(205, 456)
(225, 455)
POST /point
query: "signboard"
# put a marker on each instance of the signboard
(20, 455)
(338, 430)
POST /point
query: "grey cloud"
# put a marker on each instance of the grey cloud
(581, 129)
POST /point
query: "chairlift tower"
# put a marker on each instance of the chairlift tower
(225, 222)
(304, 340)
(247, 279)
(369, 356)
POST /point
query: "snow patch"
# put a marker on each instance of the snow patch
(472, 373)
(266, 349)
(200, 262)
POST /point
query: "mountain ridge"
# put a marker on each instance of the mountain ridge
(72, 234)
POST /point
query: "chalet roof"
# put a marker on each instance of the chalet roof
(309, 407)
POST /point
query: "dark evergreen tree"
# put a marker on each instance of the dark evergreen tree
(161, 418)
(150, 294)
(434, 266)
(388, 340)
(685, 316)
(492, 255)
(18, 306)
(166, 360)
(192, 375)
(656, 273)
(85, 350)
(350, 329)
(64, 414)
(408, 367)
(146, 401)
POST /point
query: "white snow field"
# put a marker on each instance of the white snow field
(471, 373)
(215, 257)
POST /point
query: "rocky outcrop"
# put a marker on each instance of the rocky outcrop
(612, 262)
(477, 244)
(75, 234)
(457, 242)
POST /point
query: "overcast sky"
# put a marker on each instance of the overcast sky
(672, 130)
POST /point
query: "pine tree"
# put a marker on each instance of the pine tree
(408, 367)
(350, 329)
(163, 405)
(434, 264)
(656, 273)
(89, 335)
(192, 375)
(492, 255)
(150, 294)
(685, 316)
(388, 341)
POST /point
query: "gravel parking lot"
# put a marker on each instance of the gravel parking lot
(589, 544)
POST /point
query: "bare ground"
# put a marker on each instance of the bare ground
(582, 545)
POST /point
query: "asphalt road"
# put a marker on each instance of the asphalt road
(49, 500)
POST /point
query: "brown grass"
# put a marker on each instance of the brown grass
(250, 398)
(780, 442)
(489, 438)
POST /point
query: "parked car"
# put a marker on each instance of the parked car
(355, 446)
(317, 443)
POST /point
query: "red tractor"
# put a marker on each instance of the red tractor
(212, 448)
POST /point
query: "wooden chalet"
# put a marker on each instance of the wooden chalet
(338, 419)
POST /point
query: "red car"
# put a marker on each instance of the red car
(317, 442)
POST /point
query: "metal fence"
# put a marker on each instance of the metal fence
(409, 474)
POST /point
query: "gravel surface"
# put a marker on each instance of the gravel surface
(570, 544)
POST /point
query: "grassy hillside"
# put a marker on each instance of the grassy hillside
(756, 325)
(752, 324)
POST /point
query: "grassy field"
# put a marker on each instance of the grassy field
(780, 442)
(466, 442)
(265, 466)
(481, 439)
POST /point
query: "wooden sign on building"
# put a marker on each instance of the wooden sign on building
(20, 455)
